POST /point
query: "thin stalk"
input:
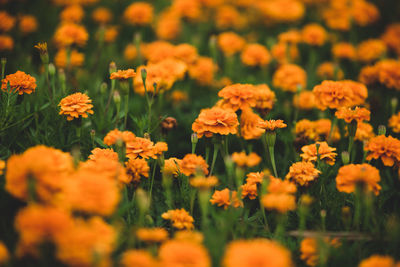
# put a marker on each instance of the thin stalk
(333, 126)
(126, 109)
(272, 158)
(152, 179)
(215, 154)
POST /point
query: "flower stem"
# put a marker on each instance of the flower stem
(215, 154)
(272, 158)
(152, 179)
(126, 109)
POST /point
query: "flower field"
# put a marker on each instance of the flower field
(199, 133)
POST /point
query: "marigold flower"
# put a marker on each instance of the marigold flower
(249, 190)
(256, 177)
(279, 202)
(358, 114)
(378, 260)
(314, 34)
(278, 186)
(303, 173)
(228, 16)
(364, 132)
(391, 37)
(20, 83)
(215, 121)
(310, 251)
(225, 198)
(203, 70)
(282, 11)
(349, 176)
(110, 33)
(171, 167)
(28, 24)
(255, 55)
(304, 100)
(102, 15)
(238, 96)
(394, 122)
(100, 153)
(140, 258)
(364, 12)
(329, 70)
(256, 252)
(113, 136)
(6, 42)
(183, 253)
(289, 77)
(265, 97)
(76, 59)
(337, 18)
(152, 235)
(370, 50)
(180, 218)
(190, 236)
(136, 168)
(130, 52)
(2, 166)
(186, 52)
(139, 13)
(386, 72)
(191, 164)
(325, 153)
(168, 25)
(249, 125)
(204, 183)
(243, 160)
(72, 13)
(144, 148)
(272, 125)
(47, 168)
(385, 148)
(123, 74)
(316, 130)
(4, 255)
(69, 34)
(292, 36)
(344, 50)
(230, 43)
(76, 105)
(7, 21)
(285, 53)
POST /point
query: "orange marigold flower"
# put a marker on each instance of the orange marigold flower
(289, 77)
(230, 43)
(20, 83)
(238, 96)
(99, 153)
(364, 12)
(304, 100)
(385, 148)
(272, 125)
(303, 173)
(139, 13)
(215, 121)
(47, 168)
(325, 153)
(28, 24)
(348, 114)
(180, 218)
(123, 74)
(76, 105)
(113, 136)
(394, 122)
(6, 42)
(349, 176)
(243, 160)
(7, 21)
(291, 36)
(136, 168)
(140, 147)
(203, 70)
(186, 52)
(225, 198)
(152, 235)
(183, 253)
(69, 34)
(178, 96)
(102, 15)
(4, 255)
(228, 16)
(282, 11)
(130, 52)
(191, 164)
(316, 130)
(255, 55)
(378, 260)
(391, 37)
(344, 50)
(364, 132)
(386, 72)
(371, 50)
(249, 190)
(256, 252)
(190, 236)
(279, 202)
(187, 9)
(138, 258)
(329, 70)
(249, 124)
(314, 34)
(171, 167)
(256, 177)
(278, 186)
(168, 25)
(204, 183)
(285, 53)
(2, 166)
(265, 97)
(76, 59)
(72, 13)
(310, 251)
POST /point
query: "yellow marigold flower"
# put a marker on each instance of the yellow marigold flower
(76, 105)
(348, 114)
(344, 50)
(138, 258)
(183, 253)
(249, 124)
(168, 26)
(2, 166)
(186, 52)
(180, 218)
(289, 77)
(314, 34)
(102, 15)
(256, 252)
(285, 53)
(123, 74)
(45, 167)
(279, 202)
(371, 50)
(304, 100)
(76, 59)
(329, 70)
(187, 9)
(152, 235)
(20, 83)
(130, 52)
(77, 245)
(215, 121)
(325, 153)
(272, 125)
(349, 176)
(378, 260)
(171, 167)
(282, 11)
(225, 198)
(230, 43)
(139, 13)
(113, 136)
(238, 96)
(394, 122)
(6, 42)
(4, 255)
(69, 34)
(303, 173)
(265, 97)
(243, 160)
(190, 236)
(364, 132)
(255, 55)
(203, 70)
(391, 37)
(191, 164)
(7, 21)
(385, 148)
(136, 168)
(204, 183)
(28, 24)
(72, 13)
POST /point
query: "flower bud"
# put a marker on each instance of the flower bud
(144, 75)
(113, 67)
(116, 97)
(345, 157)
(194, 138)
(52, 69)
(381, 130)
(103, 88)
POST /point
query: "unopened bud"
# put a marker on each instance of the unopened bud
(381, 130)
(345, 157)
(143, 200)
(393, 102)
(116, 97)
(92, 133)
(52, 69)
(194, 138)
(323, 214)
(146, 135)
(143, 72)
(113, 67)
(103, 88)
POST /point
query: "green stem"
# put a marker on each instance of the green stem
(126, 109)
(351, 142)
(152, 179)
(215, 154)
(333, 126)
(272, 158)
